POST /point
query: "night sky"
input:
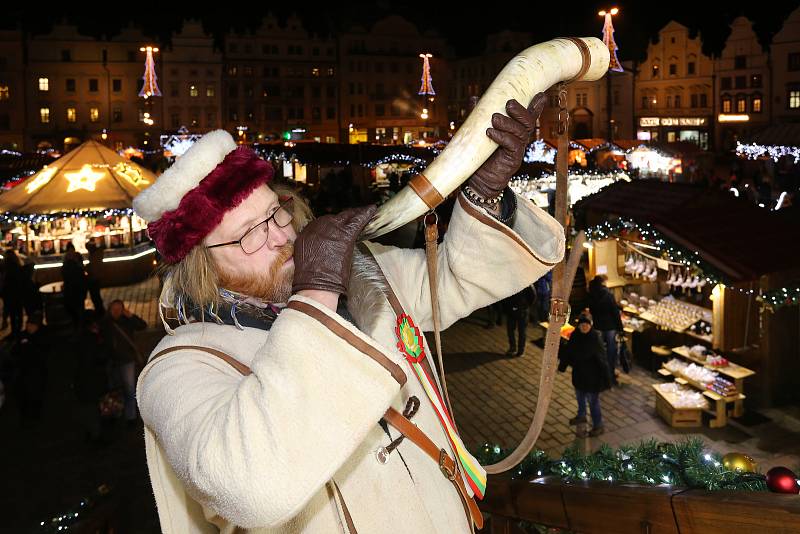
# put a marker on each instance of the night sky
(465, 28)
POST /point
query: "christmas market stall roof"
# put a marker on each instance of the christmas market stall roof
(776, 135)
(738, 239)
(89, 177)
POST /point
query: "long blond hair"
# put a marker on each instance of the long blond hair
(194, 281)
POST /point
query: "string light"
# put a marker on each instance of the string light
(776, 152)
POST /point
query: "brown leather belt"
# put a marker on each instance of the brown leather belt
(447, 465)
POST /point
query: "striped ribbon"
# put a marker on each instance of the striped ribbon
(410, 344)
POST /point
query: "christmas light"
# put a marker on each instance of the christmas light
(85, 178)
(150, 85)
(776, 152)
(130, 173)
(45, 175)
(427, 81)
(539, 151)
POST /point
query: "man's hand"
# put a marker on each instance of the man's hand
(323, 252)
(513, 134)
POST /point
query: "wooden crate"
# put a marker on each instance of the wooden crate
(677, 417)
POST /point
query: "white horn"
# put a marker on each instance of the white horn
(532, 71)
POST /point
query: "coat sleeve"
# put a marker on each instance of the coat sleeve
(480, 261)
(255, 449)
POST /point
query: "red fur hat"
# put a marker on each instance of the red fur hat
(202, 208)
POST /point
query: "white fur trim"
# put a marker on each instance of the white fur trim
(184, 175)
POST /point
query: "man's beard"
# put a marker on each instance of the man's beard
(272, 285)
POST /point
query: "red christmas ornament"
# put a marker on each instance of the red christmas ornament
(782, 480)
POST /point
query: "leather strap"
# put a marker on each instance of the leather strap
(431, 246)
(351, 527)
(426, 190)
(447, 465)
(233, 362)
(586, 58)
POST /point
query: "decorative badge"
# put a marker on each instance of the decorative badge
(409, 339)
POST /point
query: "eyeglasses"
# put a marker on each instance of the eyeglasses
(256, 237)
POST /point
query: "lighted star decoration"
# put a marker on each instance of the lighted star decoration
(86, 178)
(130, 173)
(44, 176)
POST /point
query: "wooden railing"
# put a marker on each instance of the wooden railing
(607, 508)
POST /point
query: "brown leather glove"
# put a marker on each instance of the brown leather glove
(513, 134)
(323, 252)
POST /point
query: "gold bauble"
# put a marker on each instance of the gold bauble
(734, 461)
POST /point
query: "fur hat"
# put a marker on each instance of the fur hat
(190, 198)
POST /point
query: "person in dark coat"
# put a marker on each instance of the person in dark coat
(585, 353)
(93, 274)
(31, 298)
(516, 309)
(13, 291)
(607, 320)
(74, 284)
(90, 378)
(30, 356)
(118, 327)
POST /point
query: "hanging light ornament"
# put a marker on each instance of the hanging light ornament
(427, 82)
(608, 39)
(150, 85)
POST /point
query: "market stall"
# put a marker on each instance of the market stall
(698, 275)
(83, 197)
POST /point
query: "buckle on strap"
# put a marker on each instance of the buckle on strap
(446, 471)
(559, 310)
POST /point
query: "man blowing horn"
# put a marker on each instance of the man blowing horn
(264, 409)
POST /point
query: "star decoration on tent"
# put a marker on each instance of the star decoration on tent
(130, 173)
(86, 178)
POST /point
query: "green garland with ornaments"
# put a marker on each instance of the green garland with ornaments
(621, 227)
(686, 464)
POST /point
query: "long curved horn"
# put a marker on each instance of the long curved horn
(532, 71)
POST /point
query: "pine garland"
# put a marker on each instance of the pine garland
(685, 464)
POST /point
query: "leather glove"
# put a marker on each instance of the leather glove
(323, 252)
(513, 134)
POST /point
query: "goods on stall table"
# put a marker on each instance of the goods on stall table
(675, 314)
(684, 397)
(691, 371)
(723, 387)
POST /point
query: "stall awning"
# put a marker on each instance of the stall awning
(739, 239)
(88, 177)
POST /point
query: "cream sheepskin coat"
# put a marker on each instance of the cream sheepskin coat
(235, 453)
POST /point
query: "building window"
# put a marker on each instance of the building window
(794, 99)
(211, 119)
(70, 85)
(44, 84)
(233, 48)
(94, 114)
(794, 61)
(644, 102)
(380, 110)
(330, 113)
(755, 80)
(704, 100)
(755, 104)
(693, 101)
(93, 85)
(72, 115)
(726, 105)
(740, 62)
(116, 85)
(44, 115)
(315, 72)
(316, 114)
(210, 91)
(248, 72)
(726, 83)
(233, 91)
(655, 71)
(330, 72)
(677, 101)
(66, 55)
(173, 89)
(233, 115)
(4, 95)
(232, 70)
(116, 114)
(669, 101)
(690, 67)
(741, 105)
(193, 90)
(176, 120)
(741, 82)
(673, 69)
